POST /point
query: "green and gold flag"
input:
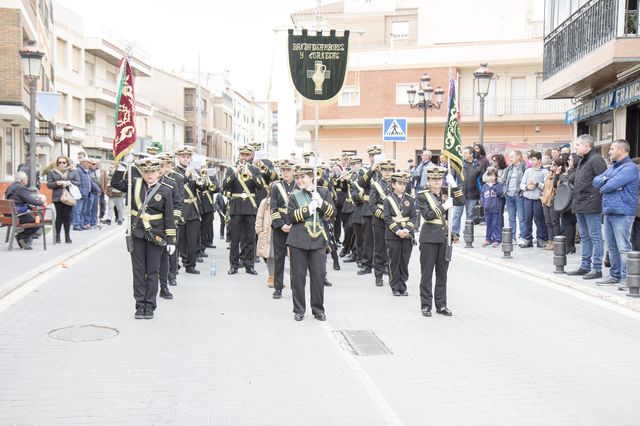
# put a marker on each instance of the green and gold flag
(452, 137)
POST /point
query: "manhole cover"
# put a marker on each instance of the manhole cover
(362, 342)
(83, 333)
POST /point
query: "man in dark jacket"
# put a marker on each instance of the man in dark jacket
(19, 192)
(587, 205)
(472, 171)
(619, 188)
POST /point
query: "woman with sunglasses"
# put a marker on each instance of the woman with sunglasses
(60, 178)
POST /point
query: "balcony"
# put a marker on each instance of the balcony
(102, 91)
(514, 106)
(590, 49)
(45, 133)
(99, 137)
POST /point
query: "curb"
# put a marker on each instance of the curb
(624, 302)
(45, 267)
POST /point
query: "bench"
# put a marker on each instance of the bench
(9, 217)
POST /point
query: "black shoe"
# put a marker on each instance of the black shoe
(444, 311)
(250, 270)
(321, 317)
(364, 271)
(210, 246)
(350, 259)
(203, 254)
(257, 260)
(336, 266)
(58, 241)
(277, 294)
(24, 244)
(359, 264)
(78, 228)
(342, 253)
(526, 244)
(579, 271)
(119, 222)
(404, 293)
(67, 240)
(139, 313)
(199, 259)
(571, 250)
(232, 271)
(608, 281)
(192, 270)
(165, 293)
(592, 275)
(327, 283)
(379, 282)
(426, 312)
(298, 317)
(541, 244)
(173, 283)
(396, 293)
(148, 313)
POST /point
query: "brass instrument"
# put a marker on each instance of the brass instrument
(242, 169)
(263, 167)
(346, 174)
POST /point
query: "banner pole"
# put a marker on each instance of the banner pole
(315, 165)
(128, 230)
(450, 237)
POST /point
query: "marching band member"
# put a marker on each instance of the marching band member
(380, 190)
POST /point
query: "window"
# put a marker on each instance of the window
(606, 130)
(350, 96)
(188, 102)
(8, 151)
(401, 92)
(63, 107)
(111, 77)
(89, 73)
(518, 92)
(557, 11)
(76, 59)
(173, 133)
(400, 29)
(61, 53)
(76, 109)
(188, 135)
(164, 131)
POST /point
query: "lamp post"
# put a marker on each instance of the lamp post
(31, 64)
(67, 135)
(483, 76)
(425, 95)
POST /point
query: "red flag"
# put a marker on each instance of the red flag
(125, 114)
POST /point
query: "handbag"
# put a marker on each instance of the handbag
(67, 198)
(75, 192)
(564, 196)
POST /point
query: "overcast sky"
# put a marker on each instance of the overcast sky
(233, 34)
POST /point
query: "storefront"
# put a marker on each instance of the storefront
(610, 116)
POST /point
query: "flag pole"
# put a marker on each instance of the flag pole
(129, 178)
(450, 237)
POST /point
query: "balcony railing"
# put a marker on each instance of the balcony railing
(514, 106)
(590, 27)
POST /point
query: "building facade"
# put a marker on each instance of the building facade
(592, 56)
(385, 61)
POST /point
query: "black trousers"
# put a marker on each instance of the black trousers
(337, 224)
(399, 255)
(206, 230)
(173, 259)
(635, 235)
(569, 221)
(367, 245)
(64, 214)
(347, 241)
(380, 255)
(313, 260)
(164, 268)
(221, 216)
(432, 257)
(279, 241)
(358, 232)
(189, 242)
(145, 262)
(243, 233)
(28, 232)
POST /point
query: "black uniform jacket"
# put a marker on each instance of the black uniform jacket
(190, 209)
(376, 200)
(435, 228)
(156, 223)
(176, 196)
(205, 195)
(357, 195)
(394, 222)
(281, 193)
(242, 202)
(365, 182)
(347, 206)
(299, 235)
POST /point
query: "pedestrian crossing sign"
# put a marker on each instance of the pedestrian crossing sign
(394, 129)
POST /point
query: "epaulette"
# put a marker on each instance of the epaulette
(410, 196)
(167, 185)
(423, 191)
(169, 177)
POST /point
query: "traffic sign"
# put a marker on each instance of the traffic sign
(394, 129)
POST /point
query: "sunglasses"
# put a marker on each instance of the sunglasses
(62, 162)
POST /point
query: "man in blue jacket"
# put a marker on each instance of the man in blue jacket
(85, 189)
(619, 188)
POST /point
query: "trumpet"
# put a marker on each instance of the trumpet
(242, 169)
(346, 174)
(263, 167)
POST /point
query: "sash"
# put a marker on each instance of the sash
(303, 201)
(246, 189)
(398, 218)
(435, 208)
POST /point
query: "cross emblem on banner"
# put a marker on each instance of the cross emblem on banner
(319, 74)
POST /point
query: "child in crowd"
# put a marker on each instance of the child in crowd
(490, 198)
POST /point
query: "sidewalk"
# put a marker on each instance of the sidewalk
(539, 263)
(20, 266)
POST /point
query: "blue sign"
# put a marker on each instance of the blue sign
(394, 130)
(624, 95)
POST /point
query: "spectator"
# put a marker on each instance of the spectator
(490, 197)
(619, 188)
(551, 217)
(103, 182)
(635, 231)
(532, 184)
(472, 173)
(500, 165)
(419, 174)
(91, 211)
(587, 205)
(411, 167)
(568, 217)
(481, 156)
(555, 153)
(85, 188)
(19, 192)
(221, 208)
(59, 180)
(116, 201)
(264, 248)
(511, 178)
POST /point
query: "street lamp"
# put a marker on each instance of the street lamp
(67, 136)
(31, 64)
(483, 76)
(425, 95)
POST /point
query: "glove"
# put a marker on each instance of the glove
(313, 205)
(315, 196)
(171, 249)
(451, 181)
(447, 204)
